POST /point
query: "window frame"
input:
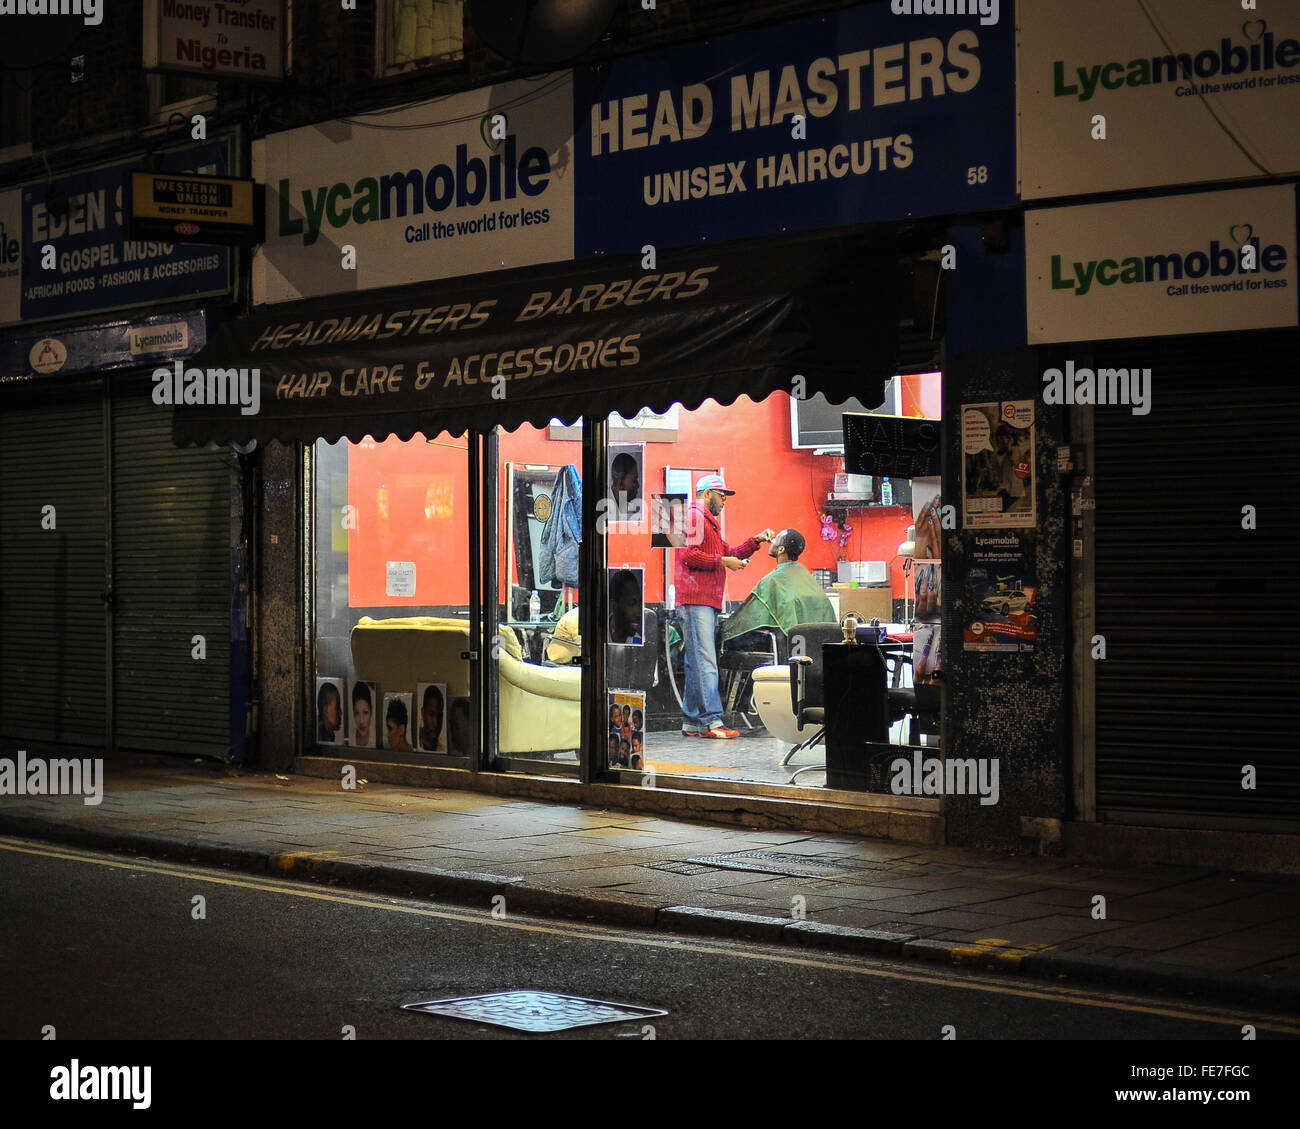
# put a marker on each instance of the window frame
(386, 70)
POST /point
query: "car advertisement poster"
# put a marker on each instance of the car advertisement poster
(997, 445)
(1002, 586)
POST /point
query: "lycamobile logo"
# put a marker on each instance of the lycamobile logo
(372, 199)
(1259, 53)
(1218, 262)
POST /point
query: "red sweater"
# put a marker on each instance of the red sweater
(698, 572)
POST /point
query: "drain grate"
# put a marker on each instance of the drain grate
(787, 865)
(538, 1012)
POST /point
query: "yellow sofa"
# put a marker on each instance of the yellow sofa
(540, 706)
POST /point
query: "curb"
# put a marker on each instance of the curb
(476, 890)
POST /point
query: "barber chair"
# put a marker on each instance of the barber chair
(736, 667)
(805, 706)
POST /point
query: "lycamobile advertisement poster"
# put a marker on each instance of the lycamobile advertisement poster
(1198, 263)
(478, 181)
(1117, 94)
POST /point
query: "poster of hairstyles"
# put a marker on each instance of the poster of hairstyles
(431, 717)
(626, 729)
(397, 722)
(626, 473)
(329, 711)
(363, 726)
(626, 607)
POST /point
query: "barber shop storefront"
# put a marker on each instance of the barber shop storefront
(606, 440)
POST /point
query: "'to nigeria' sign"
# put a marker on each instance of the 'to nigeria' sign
(852, 117)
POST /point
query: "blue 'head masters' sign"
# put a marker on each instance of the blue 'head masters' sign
(902, 116)
(94, 267)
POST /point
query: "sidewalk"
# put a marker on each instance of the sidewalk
(1233, 938)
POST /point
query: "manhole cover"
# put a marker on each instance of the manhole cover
(791, 866)
(534, 1011)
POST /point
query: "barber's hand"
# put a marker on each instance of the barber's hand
(765, 535)
(734, 563)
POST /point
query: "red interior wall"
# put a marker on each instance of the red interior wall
(410, 502)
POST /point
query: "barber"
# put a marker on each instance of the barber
(700, 575)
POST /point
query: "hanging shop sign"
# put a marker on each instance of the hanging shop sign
(551, 342)
(239, 39)
(128, 344)
(845, 118)
(184, 208)
(1200, 263)
(76, 258)
(1186, 90)
(473, 182)
(891, 446)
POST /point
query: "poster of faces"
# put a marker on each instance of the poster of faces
(397, 722)
(626, 729)
(329, 711)
(431, 722)
(626, 609)
(626, 467)
(458, 727)
(363, 726)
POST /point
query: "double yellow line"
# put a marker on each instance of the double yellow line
(857, 966)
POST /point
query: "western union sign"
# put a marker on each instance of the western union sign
(188, 208)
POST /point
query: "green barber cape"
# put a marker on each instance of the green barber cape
(781, 599)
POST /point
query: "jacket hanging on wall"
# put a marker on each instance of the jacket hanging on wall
(558, 559)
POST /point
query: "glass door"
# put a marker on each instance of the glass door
(533, 521)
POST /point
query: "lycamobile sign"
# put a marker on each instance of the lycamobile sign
(1216, 261)
(472, 182)
(399, 194)
(1171, 92)
(1228, 60)
(1204, 262)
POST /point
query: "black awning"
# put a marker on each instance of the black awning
(555, 342)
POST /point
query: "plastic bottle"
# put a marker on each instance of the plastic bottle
(886, 493)
(534, 607)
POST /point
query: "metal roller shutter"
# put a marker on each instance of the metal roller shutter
(52, 621)
(171, 566)
(1201, 617)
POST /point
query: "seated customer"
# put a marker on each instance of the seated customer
(785, 597)
(566, 643)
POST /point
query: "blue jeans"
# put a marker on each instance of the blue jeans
(701, 701)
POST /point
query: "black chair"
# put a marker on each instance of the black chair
(736, 665)
(807, 688)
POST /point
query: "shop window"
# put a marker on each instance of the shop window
(838, 544)
(15, 111)
(172, 93)
(419, 33)
(390, 597)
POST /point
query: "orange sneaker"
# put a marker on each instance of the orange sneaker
(718, 733)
